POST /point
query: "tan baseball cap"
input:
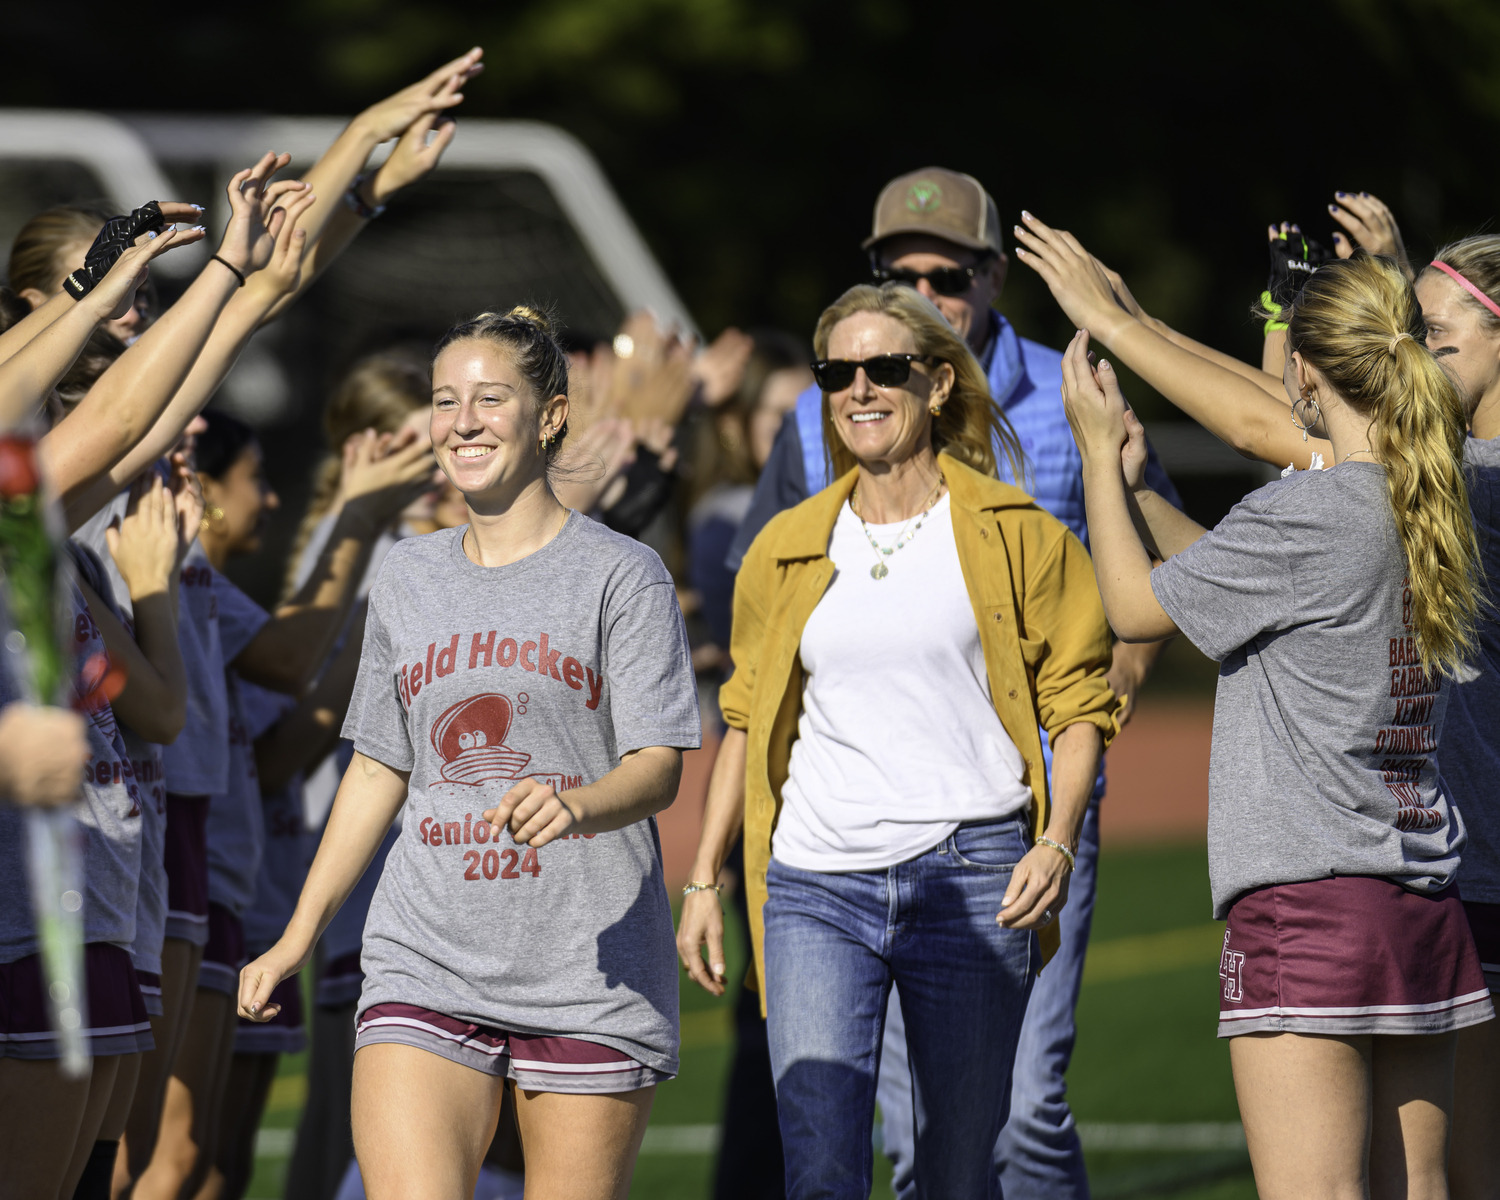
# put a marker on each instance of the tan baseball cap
(940, 203)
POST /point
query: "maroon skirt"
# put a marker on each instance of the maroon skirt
(186, 856)
(1347, 956)
(224, 953)
(116, 1022)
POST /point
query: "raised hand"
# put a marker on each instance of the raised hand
(432, 95)
(1094, 404)
(1076, 279)
(256, 219)
(187, 503)
(1372, 226)
(113, 296)
(720, 368)
(144, 542)
(383, 474)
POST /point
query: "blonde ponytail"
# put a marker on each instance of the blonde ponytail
(1358, 322)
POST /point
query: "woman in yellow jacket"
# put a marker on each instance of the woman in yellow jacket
(899, 639)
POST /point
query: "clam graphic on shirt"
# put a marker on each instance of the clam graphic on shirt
(470, 739)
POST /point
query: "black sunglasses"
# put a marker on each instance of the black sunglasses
(945, 281)
(885, 370)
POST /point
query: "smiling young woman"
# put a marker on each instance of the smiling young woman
(525, 691)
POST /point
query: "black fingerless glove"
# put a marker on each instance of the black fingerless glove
(1294, 258)
(117, 236)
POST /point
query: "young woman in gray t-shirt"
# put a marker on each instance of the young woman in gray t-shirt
(1340, 603)
(525, 691)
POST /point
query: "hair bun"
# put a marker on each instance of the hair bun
(524, 312)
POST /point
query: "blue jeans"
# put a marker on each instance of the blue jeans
(1037, 1153)
(834, 945)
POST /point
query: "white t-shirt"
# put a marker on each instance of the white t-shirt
(899, 742)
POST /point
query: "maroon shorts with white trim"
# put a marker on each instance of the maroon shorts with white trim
(282, 1034)
(1348, 956)
(186, 855)
(117, 1021)
(150, 983)
(536, 1063)
(224, 954)
(1484, 923)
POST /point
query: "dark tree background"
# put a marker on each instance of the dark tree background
(748, 138)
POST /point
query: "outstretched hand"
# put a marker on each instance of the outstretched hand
(144, 541)
(114, 295)
(256, 217)
(1077, 280)
(1371, 224)
(1094, 404)
(429, 96)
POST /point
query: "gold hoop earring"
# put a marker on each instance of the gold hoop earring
(1309, 422)
(211, 513)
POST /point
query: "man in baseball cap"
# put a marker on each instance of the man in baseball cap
(939, 231)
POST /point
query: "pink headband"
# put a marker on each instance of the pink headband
(1466, 285)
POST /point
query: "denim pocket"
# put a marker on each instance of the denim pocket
(993, 846)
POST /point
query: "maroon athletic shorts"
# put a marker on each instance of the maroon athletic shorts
(341, 982)
(1484, 923)
(151, 992)
(224, 954)
(283, 1033)
(536, 1063)
(116, 1022)
(1347, 956)
(186, 854)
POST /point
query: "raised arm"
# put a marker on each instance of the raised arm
(58, 331)
(291, 646)
(129, 398)
(1122, 564)
(410, 116)
(1229, 405)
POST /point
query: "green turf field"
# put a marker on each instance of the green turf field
(1147, 1061)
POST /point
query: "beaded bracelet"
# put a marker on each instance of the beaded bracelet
(356, 202)
(1061, 849)
(702, 887)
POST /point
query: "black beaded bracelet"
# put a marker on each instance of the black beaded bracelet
(356, 202)
(238, 274)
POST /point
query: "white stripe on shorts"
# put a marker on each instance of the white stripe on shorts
(1367, 1010)
(412, 1023)
(594, 1068)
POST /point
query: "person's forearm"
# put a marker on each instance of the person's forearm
(36, 366)
(342, 227)
(291, 646)
(1270, 383)
(642, 785)
(368, 800)
(231, 332)
(1121, 564)
(1171, 531)
(724, 810)
(1230, 406)
(153, 701)
(1273, 352)
(20, 334)
(129, 398)
(1076, 750)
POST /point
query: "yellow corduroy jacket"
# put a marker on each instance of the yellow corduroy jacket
(1041, 622)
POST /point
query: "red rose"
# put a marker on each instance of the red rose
(18, 474)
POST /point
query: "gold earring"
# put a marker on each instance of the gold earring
(936, 410)
(211, 513)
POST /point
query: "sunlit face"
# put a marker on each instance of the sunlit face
(1458, 336)
(246, 500)
(884, 424)
(969, 313)
(486, 424)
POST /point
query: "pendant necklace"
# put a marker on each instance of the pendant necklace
(880, 570)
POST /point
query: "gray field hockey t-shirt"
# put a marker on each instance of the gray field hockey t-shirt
(473, 678)
(1325, 725)
(1469, 751)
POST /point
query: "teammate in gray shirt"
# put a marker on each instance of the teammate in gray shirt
(1340, 604)
(526, 691)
